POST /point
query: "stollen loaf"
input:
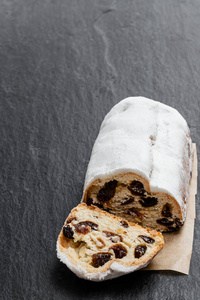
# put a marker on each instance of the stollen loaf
(141, 164)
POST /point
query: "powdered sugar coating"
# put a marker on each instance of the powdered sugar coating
(148, 138)
(116, 269)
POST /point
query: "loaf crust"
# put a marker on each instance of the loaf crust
(79, 244)
(141, 164)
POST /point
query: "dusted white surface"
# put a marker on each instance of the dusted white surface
(146, 137)
(116, 269)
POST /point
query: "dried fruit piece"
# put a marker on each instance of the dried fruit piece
(84, 227)
(165, 221)
(124, 223)
(128, 200)
(134, 212)
(136, 188)
(71, 219)
(119, 250)
(147, 239)
(89, 201)
(166, 211)
(140, 250)
(178, 222)
(170, 228)
(148, 202)
(68, 232)
(99, 259)
(108, 191)
(93, 225)
(113, 236)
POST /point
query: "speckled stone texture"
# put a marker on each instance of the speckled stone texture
(63, 65)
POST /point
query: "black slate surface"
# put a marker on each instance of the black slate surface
(63, 65)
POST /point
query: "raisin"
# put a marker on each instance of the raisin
(165, 221)
(83, 227)
(124, 223)
(93, 225)
(136, 188)
(172, 228)
(178, 222)
(71, 219)
(128, 200)
(89, 201)
(148, 202)
(68, 232)
(108, 191)
(139, 251)
(147, 239)
(112, 236)
(99, 259)
(134, 212)
(119, 250)
(166, 211)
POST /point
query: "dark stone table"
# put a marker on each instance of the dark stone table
(63, 65)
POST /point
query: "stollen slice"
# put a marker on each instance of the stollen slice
(97, 245)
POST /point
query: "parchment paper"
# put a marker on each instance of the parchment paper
(177, 251)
